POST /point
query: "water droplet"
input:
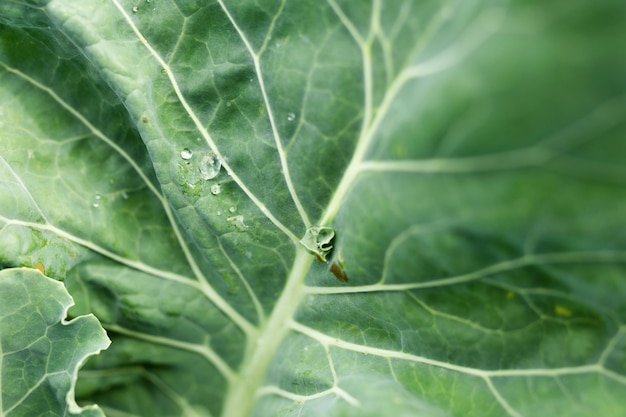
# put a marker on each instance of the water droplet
(219, 212)
(228, 104)
(216, 189)
(210, 166)
(232, 209)
(186, 153)
(291, 117)
(124, 195)
(135, 9)
(97, 198)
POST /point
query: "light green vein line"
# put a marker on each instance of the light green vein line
(201, 350)
(98, 249)
(270, 113)
(270, 30)
(502, 161)
(346, 22)
(365, 134)
(604, 117)
(186, 408)
(182, 402)
(326, 340)
(97, 132)
(244, 281)
(612, 344)
(571, 370)
(29, 391)
(524, 261)
(25, 189)
(482, 29)
(504, 403)
(200, 127)
(211, 294)
(298, 398)
(615, 376)
(451, 317)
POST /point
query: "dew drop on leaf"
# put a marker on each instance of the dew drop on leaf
(219, 212)
(210, 166)
(291, 117)
(232, 209)
(216, 189)
(135, 9)
(186, 153)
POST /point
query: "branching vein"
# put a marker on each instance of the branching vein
(201, 129)
(522, 262)
(212, 294)
(270, 113)
(201, 350)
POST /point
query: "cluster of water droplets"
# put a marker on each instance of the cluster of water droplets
(135, 9)
(194, 170)
(208, 167)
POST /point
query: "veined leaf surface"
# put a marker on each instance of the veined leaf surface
(460, 163)
(40, 351)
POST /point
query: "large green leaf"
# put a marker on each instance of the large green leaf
(40, 352)
(175, 163)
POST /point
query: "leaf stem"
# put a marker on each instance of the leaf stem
(240, 398)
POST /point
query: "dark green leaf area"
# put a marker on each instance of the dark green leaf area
(460, 394)
(515, 83)
(588, 393)
(463, 234)
(137, 302)
(40, 352)
(142, 377)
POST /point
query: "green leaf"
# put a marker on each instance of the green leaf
(459, 164)
(40, 352)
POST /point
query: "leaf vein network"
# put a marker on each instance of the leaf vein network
(200, 127)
